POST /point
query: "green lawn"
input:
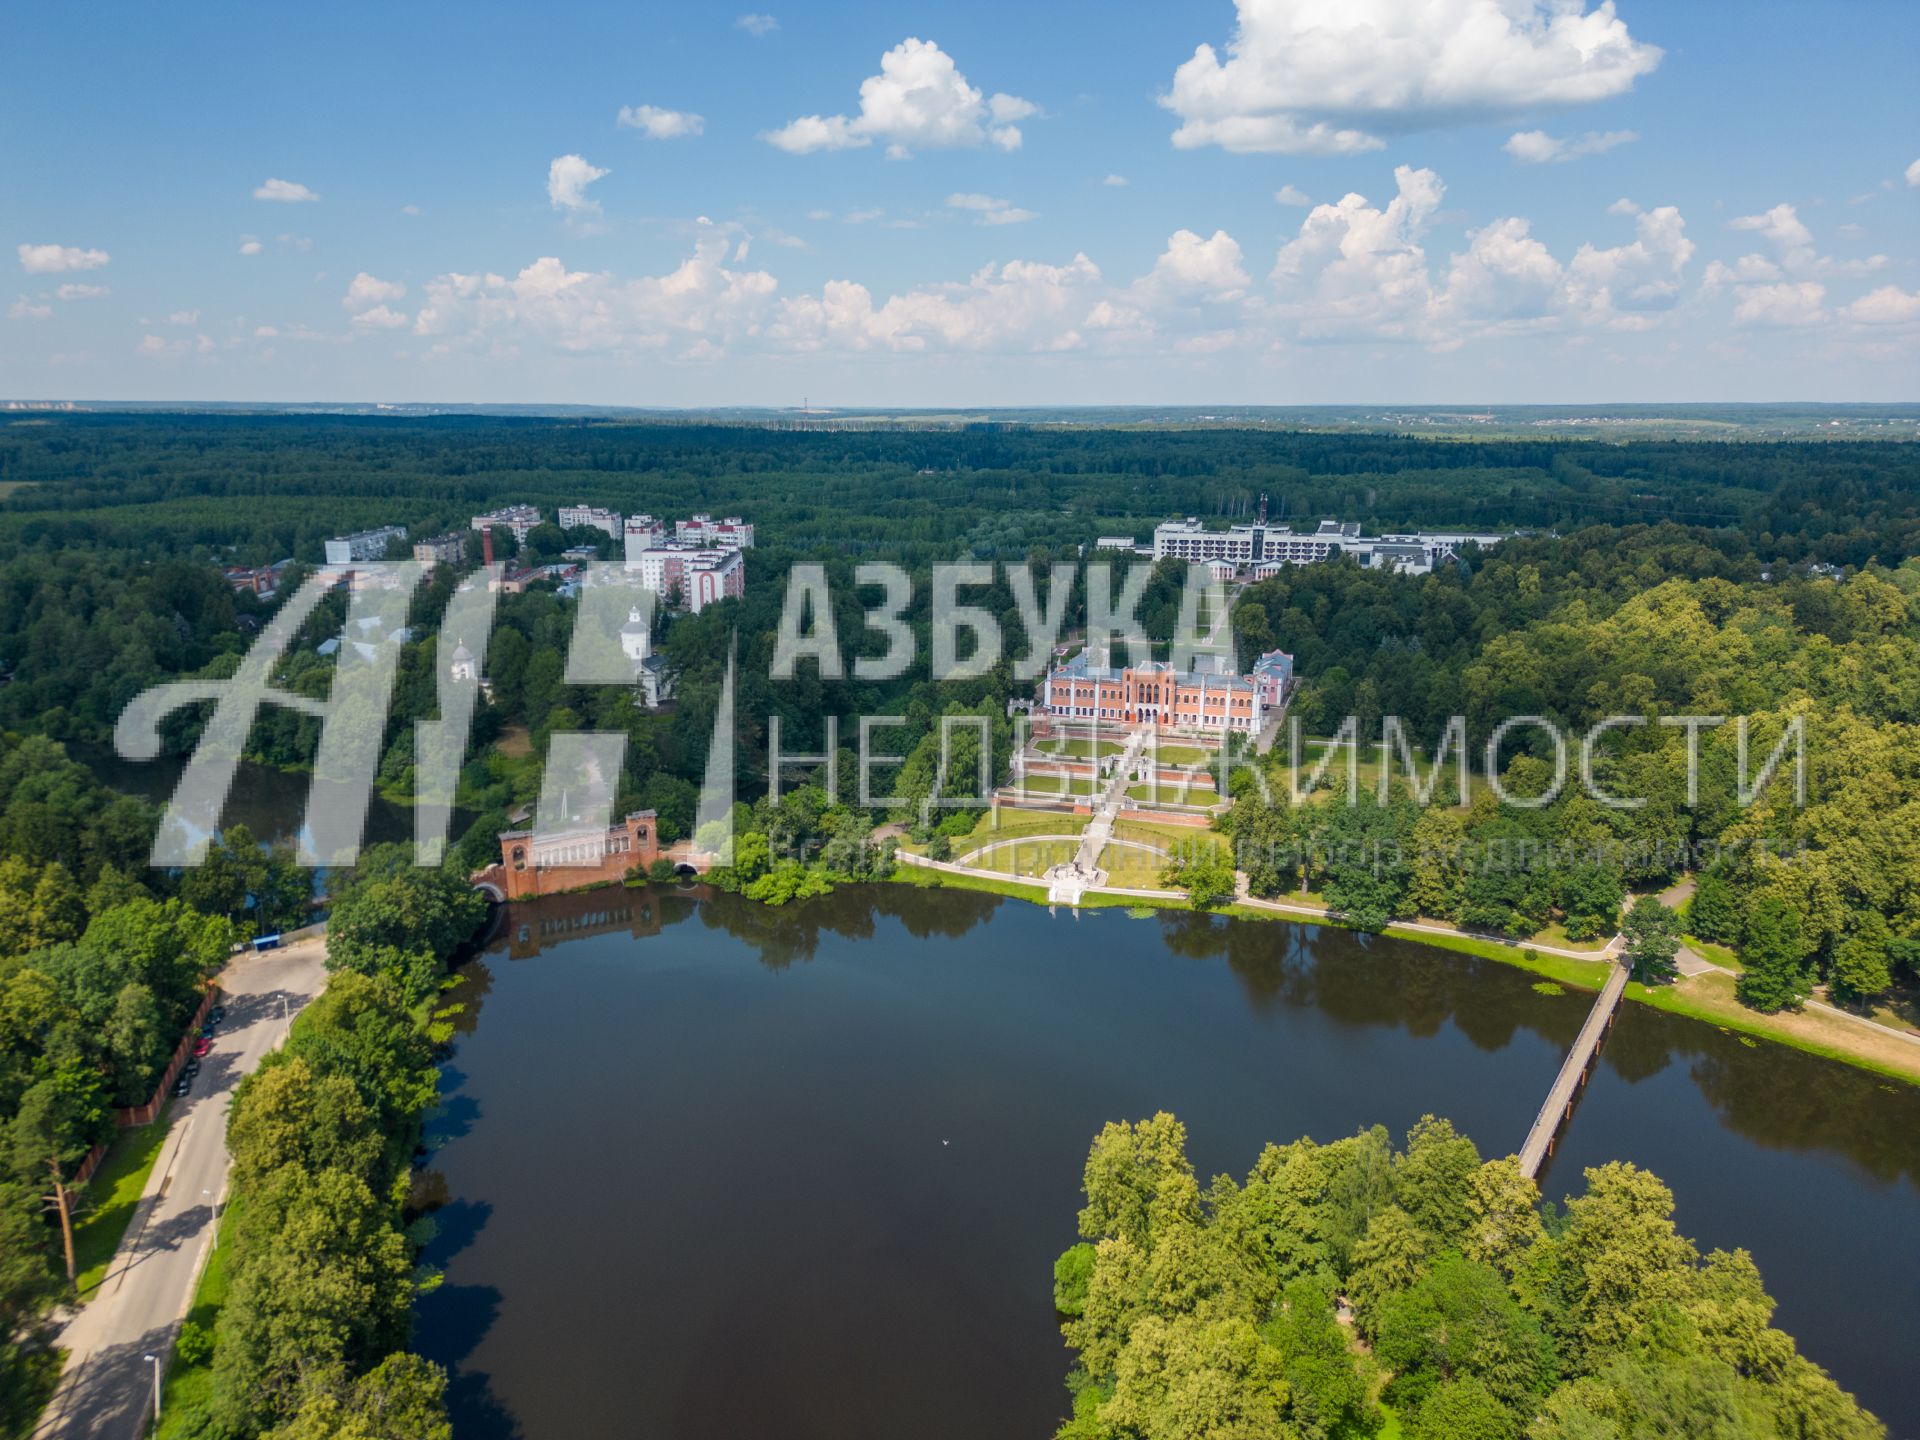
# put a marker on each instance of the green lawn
(1013, 823)
(1027, 857)
(1718, 954)
(1079, 749)
(112, 1196)
(188, 1387)
(991, 884)
(1556, 935)
(1181, 755)
(1156, 792)
(1061, 785)
(1163, 835)
(1132, 869)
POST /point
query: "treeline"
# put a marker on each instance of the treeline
(100, 971)
(320, 1249)
(1344, 1288)
(103, 960)
(161, 483)
(98, 976)
(1597, 623)
(1806, 891)
(321, 1274)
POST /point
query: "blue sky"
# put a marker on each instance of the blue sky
(1524, 200)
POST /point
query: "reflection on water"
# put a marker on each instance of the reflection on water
(713, 1169)
(271, 803)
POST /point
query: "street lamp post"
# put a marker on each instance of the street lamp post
(213, 1203)
(154, 1361)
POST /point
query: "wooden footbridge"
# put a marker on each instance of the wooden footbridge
(1573, 1073)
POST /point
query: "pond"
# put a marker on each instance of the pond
(713, 1170)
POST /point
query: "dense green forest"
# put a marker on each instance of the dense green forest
(164, 485)
(1660, 578)
(1346, 1288)
(103, 961)
(1651, 623)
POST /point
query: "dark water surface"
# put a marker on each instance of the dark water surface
(271, 803)
(714, 1170)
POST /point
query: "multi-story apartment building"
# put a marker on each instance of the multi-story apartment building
(1156, 695)
(713, 575)
(698, 577)
(445, 549)
(574, 516)
(363, 545)
(516, 518)
(732, 533)
(643, 532)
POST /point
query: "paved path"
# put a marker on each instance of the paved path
(107, 1388)
(1284, 907)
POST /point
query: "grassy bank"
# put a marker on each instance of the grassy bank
(112, 1197)
(942, 880)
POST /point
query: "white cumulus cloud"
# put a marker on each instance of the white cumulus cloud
(1791, 304)
(59, 259)
(250, 245)
(1192, 268)
(1021, 306)
(1794, 250)
(1889, 305)
(380, 317)
(703, 302)
(567, 180)
(919, 100)
(1335, 76)
(660, 124)
(991, 210)
(75, 291)
(184, 317)
(1782, 228)
(1117, 181)
(1625, 287)
(1359, 269)
(365, 291)
(756, 24)
(25, 309)
(1293, 195)
(286, 191)
(1913, 173)
(1537, 147)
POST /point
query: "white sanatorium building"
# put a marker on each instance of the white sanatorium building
(1264, 549)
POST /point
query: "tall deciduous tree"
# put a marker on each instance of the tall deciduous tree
(1652, 934)
(1773, 954)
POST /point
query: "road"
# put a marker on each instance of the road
(106, 1390)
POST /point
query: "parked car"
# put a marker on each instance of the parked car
(202, 1046)
(191, 1069)
(216, 1015)
(183, 1084)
